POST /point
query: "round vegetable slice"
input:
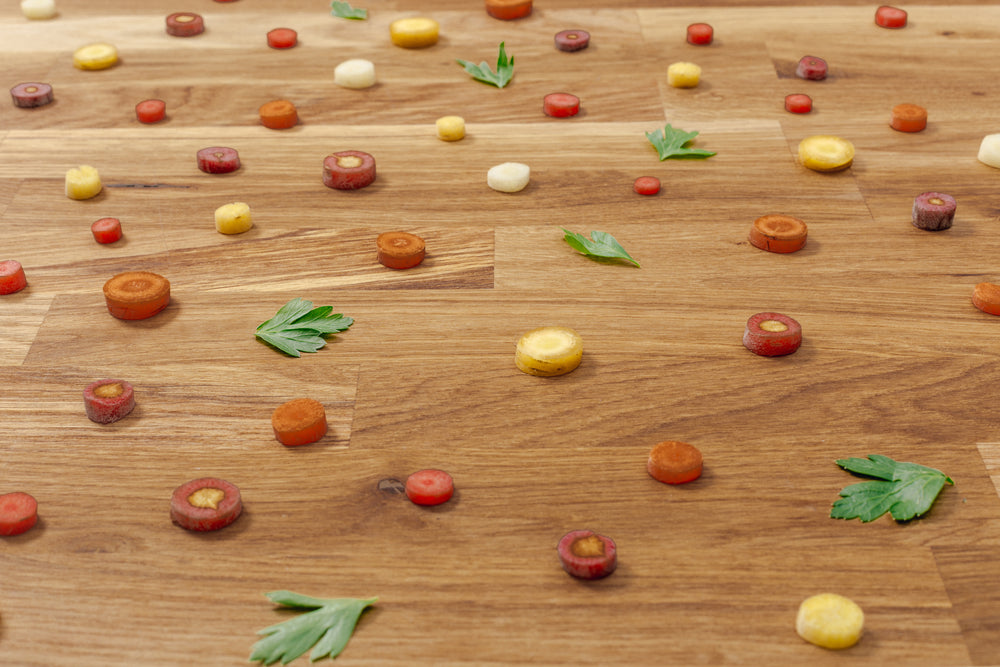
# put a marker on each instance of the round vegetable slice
(136, 295)
(348, 170)
(218, 160)
(450, 128)
(430, 487)
(830, 621)
(674, 462)
(824, 152)
(683, 75)
(282, 38)
(185, 24)
(83, 182)
(234, 218)
(106, 230)
(778, 233)
(151, 111)
(414, 33)
(95, 56)
(356, 73)
(772, 334)
(549, 351)
(798, 103)
(278, 114)
(986, 297)
(107, 401)
(989, 151)
(933, 211)
(587, 555)
(811, 68)
(561, 105)
(700, 34)
(12, 278)
(38, 10)
(508, 177)
(646, 185)
(508, 10)
(18, 513)
(890, 17)
(572, 40)
(908, 118)
(32, 94)
(300, 421)
(400, 250)
(205, 504)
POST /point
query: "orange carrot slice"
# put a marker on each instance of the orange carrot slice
(136, 295)
(778, 233)
(205, 504)
(18, 513)
(12, 277)
(400, 250)
(908, 118)
(508, 10)
(278, 115)
(674, 462)
(299, 422)
(282, 38)
(986, 297)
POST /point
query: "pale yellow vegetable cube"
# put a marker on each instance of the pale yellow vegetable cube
(450, 128)
(683, 75)
(830, 620)
(83, 182)
(233, 218)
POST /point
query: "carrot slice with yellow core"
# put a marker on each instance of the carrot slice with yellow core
(778, 233)
(299, 422)
(205, 504)
(587, 555)
(136, 295)
(400, 250)
(772, 334)
(549, 351)
(95, 56)
(278, 114)
(107, 401)
(674, 462)
(824, 152)
(986, 297)
(414, 33)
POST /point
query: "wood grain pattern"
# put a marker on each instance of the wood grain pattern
(895, 359)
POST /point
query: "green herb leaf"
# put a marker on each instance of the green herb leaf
(599, 245)
(670, 143)
(297, 327)
(345, 11)
(482, 71)
(905, 490)
(327, 628)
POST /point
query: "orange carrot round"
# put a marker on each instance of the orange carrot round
(136, 295)
(508, 10)
(278, 115)
(908, 118)
(986, 297)
(400, 250)
(674, 462)
(299, 422)
(18, 513)
(778, 233)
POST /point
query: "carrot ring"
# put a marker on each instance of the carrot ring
(185, 24)
(908, 118)
(348, 170)
(400, 250)
(136, 295)
(587, 555)
(278, 115)
(205, 504)
(299, 422)
(508, 10)
(674, 462)
(18, 513)
(12, 277)
(772, 334)
(430, 487)
(107, 401)
(986, 297)
(778, 233)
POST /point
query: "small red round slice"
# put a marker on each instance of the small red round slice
(107, 401)
(700, 34)
(572, 40)
(12, 277)
(508, 10)
(646, 185)
(348, 170)
(151, 111)
(205, 504)
(587, 555)
(798, 103)
(106, 230)
(561, 105)
(778, 233)
(282, 38)
(986, 297)
(811, 68)
(400, 250)
(430, 487)
(890, 17)
(185, 24)
(772, 334)
(18, 513)
(28, 95)
(674, 462)
(218, 160)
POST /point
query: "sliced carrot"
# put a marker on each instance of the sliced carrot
(136, 295)
(430, 487)
(508, 10)
(772, 334)
(400, 250)
(205, 504)
(185, 24)
(106, 230)
(587, 555)
(572, 40)
(282, 38)
(12, 277)
(348, 170)
(908, 118)
(699, 34)
(28, 95)
(560, 105)
(646, 185)
(986, 297)
(674, 462)
(798, 103)
(18, 513)
(778, 233)
(278, 114)
(299, 422)
(890, 17)
(151, 111)
(107, 401)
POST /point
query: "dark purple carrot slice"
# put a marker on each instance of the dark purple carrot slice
(29, 95)
(572, 40)
(218, 160)
(348, 170)
(933, 211)
(811, 68)
(772, 335)
(185, 24)
(205, 504)
(587, 555)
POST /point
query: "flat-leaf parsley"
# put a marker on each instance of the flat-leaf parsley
(600, 245)
(298, 327)
(482, 71)
(670, 143)
(905, 490)
(345, 11)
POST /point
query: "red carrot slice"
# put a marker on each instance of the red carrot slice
(185, 24)
(587, 555)
(18, 513)
(151, 111)
(205, 504)
(772, 335)
(348, 170)
(572, 40)
(646, 185)
(778, 233)
(674, 462)
(890, 17)
(136, 295)
(561, 105)
(106, 230)
(908, 118)
(700, 34)
(933, 211)
(107, 401)
(282, 38)
(278, 114)
(430, 487)
(218, 160)
(400, 250)
(811, 68)
(986, 297)
(12, 278)
(508, 10)
(28, 95)
(299, 422)
(798, 103)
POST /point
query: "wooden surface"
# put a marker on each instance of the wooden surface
(895, 359)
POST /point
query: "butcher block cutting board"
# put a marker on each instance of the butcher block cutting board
(895, 360)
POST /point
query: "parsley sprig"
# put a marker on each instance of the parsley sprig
(482, 71)
(328, 626)
(298, 327)
(671, 143)
(905, 490)
(345, 11)
(600, 245)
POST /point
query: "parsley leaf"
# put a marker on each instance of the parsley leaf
(329, 626)
(298, 327)
(345, 11)
(905, 490)
(670, 143)
(482, 71)
(599, 245)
